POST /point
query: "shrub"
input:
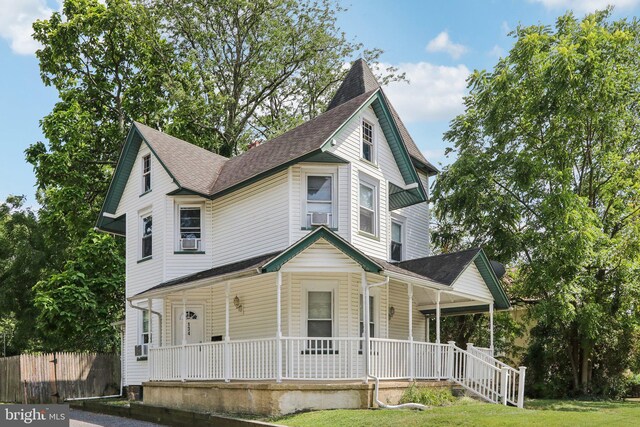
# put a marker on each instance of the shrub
(429, 396)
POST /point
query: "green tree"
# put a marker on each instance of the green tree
(22, 257)
(548, 177)
(248, 69)
(104, 59)
(78, 305)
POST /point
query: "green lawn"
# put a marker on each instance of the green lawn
(538, 413)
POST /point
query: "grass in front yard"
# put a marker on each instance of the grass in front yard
(538, 413)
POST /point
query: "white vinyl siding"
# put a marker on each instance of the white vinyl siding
(399, 324)
(252, 221)
(143, 275)
(386, 170)
(471, 283)
(417, 237)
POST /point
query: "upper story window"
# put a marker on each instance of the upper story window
(190, 228)
(147, 237)
(320, 200)
(368, 208)
(146, 173)
(397, 240)
(368, 152)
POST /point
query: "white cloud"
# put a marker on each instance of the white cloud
(496, 51)
(16, 21)
(434, 93)
(587, 5)
(442, 43)
(506, 28)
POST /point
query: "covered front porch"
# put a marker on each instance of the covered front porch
(327, 316)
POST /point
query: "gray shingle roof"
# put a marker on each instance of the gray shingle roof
(234, 267)
(443, 268)
(296, 143)
(360, 79)
(209, 174)
(193, 167)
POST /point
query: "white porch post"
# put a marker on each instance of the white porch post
(184, 336)
(279, 331)
(522, 372)
(227, 349)
(410, 298)
(365, 321)
(428, 327)
(491, 328)
(439, 352)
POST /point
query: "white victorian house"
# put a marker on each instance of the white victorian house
(295, 274)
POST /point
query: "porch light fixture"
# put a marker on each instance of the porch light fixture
(236, 303)
(392, 311)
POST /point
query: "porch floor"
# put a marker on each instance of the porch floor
(272, 398)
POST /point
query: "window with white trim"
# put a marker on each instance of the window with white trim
(368, 208)
(320, 200)
(320, 319)
(372, 324)
(368, 147)
(145, 330)
(397, 241)
(146, 173)
(146, 246)
(190, 228)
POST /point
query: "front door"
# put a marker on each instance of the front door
(194, 326)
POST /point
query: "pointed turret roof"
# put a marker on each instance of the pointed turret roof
(359, 80)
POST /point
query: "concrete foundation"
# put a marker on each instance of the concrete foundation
(273, 398)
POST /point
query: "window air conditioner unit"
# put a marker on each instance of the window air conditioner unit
(320, 218)
(188, 244)
(141, 350)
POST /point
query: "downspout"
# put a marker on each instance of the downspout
(401, 406)
(377, 380)
(159, 319)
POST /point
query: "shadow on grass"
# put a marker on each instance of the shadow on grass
(576, 405)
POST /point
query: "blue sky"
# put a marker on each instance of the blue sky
(437, 43)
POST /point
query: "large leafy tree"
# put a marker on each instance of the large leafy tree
(104, 59)
(548, 176)
(22, 256)
(250, 69)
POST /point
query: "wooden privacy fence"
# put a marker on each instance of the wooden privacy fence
(53, 377)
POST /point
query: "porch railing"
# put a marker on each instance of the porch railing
(306, 358)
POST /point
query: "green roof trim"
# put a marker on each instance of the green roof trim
(185, 192)
(392, 134)
(119, 180)
(501, 301)
(325, 157)
(266, 174)
(398, 149)
(400, 198)
(338, 242)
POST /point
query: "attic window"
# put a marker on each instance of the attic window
(367, 141)
(146, 173)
